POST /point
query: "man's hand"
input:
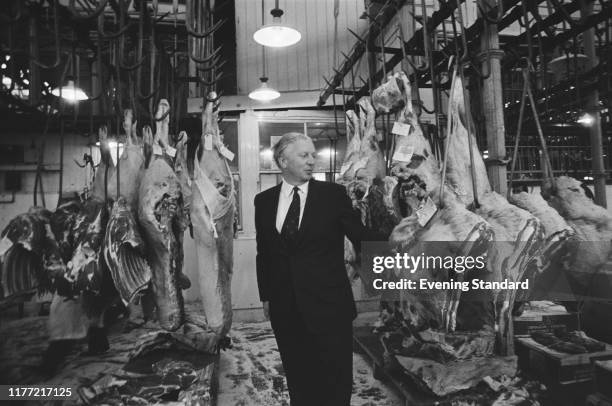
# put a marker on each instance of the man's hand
(266, 309)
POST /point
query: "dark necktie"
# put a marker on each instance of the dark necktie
(292, 220)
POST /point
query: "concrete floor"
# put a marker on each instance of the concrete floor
(250, 373)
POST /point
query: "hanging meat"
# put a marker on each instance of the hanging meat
(459, 173)
(592, 226)
(417, 195)
(212, 216)
(30, 256)
(124, 250)
(519, 241)
(130, 165)
(353, 146)
(556, 246)
(160, 214)
(85, 269)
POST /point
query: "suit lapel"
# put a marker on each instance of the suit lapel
(274, 205)
(308, 216)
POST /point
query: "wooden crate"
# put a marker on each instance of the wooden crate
(530, 322)
(603, 377)
(556, 368)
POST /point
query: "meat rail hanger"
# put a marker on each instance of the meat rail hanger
(57, 47)
(527, 93)
(94, 13)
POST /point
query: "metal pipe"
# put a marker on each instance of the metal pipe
(592, 107)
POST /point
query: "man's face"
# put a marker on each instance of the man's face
(297, 161)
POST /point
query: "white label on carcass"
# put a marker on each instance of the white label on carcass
(403, 153)
(171, 151)
(226, 153)
(426, 212)
(157, 150)
(401, 129)
(5, 244)
(208, 142)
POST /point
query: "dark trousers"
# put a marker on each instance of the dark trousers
(318, 366)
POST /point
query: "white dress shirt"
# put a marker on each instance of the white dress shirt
(284, 201)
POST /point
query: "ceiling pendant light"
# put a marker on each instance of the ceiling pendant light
(276, 35)
(70, 92)
(264, 92)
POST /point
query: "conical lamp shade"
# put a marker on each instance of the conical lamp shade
(264, 92)
(70, 92)
(277, 35)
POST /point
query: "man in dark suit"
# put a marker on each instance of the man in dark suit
(306, 294)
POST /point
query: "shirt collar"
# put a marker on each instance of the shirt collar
(287, 188)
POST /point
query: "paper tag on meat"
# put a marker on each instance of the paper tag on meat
(171, 151)
(401, 129)
(5, 244)
(403, 153)
(157, 150)
(226, 153)
(426, 212)
(208, 142)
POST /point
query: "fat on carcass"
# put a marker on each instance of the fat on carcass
(106, 168)
(160, 214)
(371, 164)
(212, 216)
(30, 256)
(557, 234)
(129, 167)
(458, 172)
(353, 146)
(519, 241)
(592, 226)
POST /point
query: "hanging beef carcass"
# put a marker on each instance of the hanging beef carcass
(353, 146)
(519, 241)
(84, 293)
(30, 256)
(557, 234)
(124, 252)
(363, 174)
(129, 166)
(417, 194)
(124, 249)
(212, 217)
(459, 148)
(160, 213)
(592, 226)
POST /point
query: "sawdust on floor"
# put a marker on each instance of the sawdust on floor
(251, 373)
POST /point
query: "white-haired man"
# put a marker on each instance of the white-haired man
(306, 294)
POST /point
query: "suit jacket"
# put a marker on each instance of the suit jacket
(313, 274)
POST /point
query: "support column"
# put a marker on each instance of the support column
(592, 107)
(493, 106)
(34, 76)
